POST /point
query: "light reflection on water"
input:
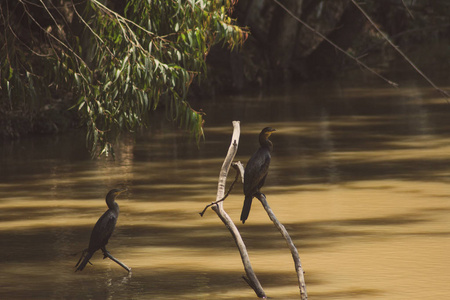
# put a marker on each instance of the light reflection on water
(359, 177)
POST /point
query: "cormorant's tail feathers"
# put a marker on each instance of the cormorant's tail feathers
(86, 256)
(246, 208)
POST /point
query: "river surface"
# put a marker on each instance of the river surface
(360, 177)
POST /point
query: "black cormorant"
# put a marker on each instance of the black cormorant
(102, 230)
(256, 171)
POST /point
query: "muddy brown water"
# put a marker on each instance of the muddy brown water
(359, 176)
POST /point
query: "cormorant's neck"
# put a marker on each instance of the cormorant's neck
(265, 142)
(112, 203)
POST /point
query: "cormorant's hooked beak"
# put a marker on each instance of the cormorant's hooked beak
(121, 191)
(270, 131)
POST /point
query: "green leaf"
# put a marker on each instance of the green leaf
(124, 64)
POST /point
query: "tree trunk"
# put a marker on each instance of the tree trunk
(283, 37)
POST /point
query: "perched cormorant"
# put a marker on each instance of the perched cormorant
(102, 230)
(256, 171)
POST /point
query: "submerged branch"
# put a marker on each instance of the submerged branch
(107, 254)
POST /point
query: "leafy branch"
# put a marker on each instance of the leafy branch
(120, 61)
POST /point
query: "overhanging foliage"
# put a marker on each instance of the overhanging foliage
(121, 60)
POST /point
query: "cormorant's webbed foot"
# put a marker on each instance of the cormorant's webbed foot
(105, 253)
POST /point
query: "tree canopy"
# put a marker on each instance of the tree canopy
(119, 59)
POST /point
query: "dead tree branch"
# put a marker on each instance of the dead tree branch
(408, 10)
(251, 278)
(358, 61)
(287, 237)
(236, 166)
(396, 48)
(107, 254)
(217, 206)
(294, 251)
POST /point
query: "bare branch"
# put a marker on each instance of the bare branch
(394, 84)
(91, 30)
(407, 9)
(107, 254)
(250, 278)
(234, 165)
(294, 251)
(443, 93)
(232, 150)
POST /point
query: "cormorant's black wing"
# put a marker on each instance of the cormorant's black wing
(256, 171)
(103, 230)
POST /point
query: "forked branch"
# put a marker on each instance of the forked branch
(250, 278)
(217, 206)
(237, 166)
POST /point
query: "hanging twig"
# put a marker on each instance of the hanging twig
(408, 10)
(394, 84)
(250, 278)
(441, 91)
(444, 93)
(294, 251)
(238, 174)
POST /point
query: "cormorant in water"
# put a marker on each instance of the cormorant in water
(256, 171)
(102, 230)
